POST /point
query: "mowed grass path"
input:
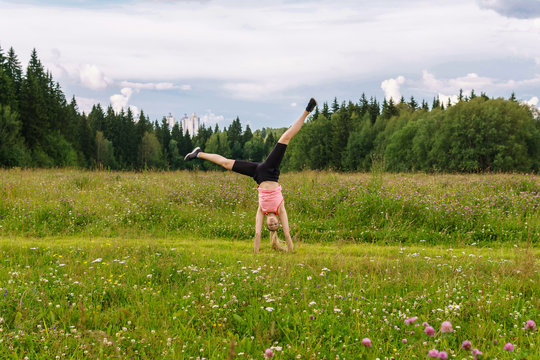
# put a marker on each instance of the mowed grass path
(191, 298)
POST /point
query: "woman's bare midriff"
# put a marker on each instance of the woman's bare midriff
(268, 185)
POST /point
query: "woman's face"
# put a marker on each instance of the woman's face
(272, 222)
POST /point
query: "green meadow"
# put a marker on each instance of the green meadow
(159, 265)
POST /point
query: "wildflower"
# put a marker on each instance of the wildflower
(530, 325)
(98, 260)
(366, 342)
(509, 347)
(476, 352)
(410, 320)
(311, 317)
(268, 354)
(430, 331)
(443, 355)
(404, 341)
(466, 345)
(433, 353)
(446, 327)
(269, 309)
(424, 324)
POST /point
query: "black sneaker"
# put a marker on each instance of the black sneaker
(192, 155)
(311, 105)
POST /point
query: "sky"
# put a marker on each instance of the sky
(262, 60)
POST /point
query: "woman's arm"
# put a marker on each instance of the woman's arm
(285, 225)
(258, 228)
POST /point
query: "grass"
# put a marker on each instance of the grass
(213, 299)
(160, 265)
(322, 206)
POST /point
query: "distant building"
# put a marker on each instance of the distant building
(170, 120)
(191, 124)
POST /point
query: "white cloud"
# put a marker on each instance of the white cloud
(268, 49)
(120, 101)
(85, 104)
(466, 83)
(444, 99)
(92, 78)
(254, 90)
(521, 9)
(265, 47)
(391, 88)
(154, 86)
(134, 110)
(533, 101)
(210, 119)
(474, 82)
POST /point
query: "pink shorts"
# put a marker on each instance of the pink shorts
(270, 200)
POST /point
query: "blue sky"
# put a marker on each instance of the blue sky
(262, 60)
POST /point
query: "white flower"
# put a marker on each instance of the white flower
(269, 309)
(312, 303)
(98, 260)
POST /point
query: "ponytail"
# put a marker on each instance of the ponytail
(274, 240)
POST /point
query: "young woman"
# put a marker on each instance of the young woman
(266, 174)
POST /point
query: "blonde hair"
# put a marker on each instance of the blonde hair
(274, 241)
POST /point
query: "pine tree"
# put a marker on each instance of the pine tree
(335, 106)
(436, 103)
(389, 109)
(33, 104)
(13, 70)
(413, 104)
(8, 95)
(364, 105)
(315, 114)
(87, 140)
(234, 135)
(12, 151)
(374, 109)
(326, 111)
(247, 135)
(269, 144)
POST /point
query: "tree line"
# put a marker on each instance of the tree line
(40, 128)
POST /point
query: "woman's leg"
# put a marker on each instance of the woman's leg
(293, 130)
(217, 159)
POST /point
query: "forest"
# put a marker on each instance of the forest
(40, 128)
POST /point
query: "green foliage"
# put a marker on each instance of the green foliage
(477, 134)
(12, 149)
(150, 151)
(254, 149)
(104, 152)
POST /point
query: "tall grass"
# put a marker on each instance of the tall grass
(322, 206)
